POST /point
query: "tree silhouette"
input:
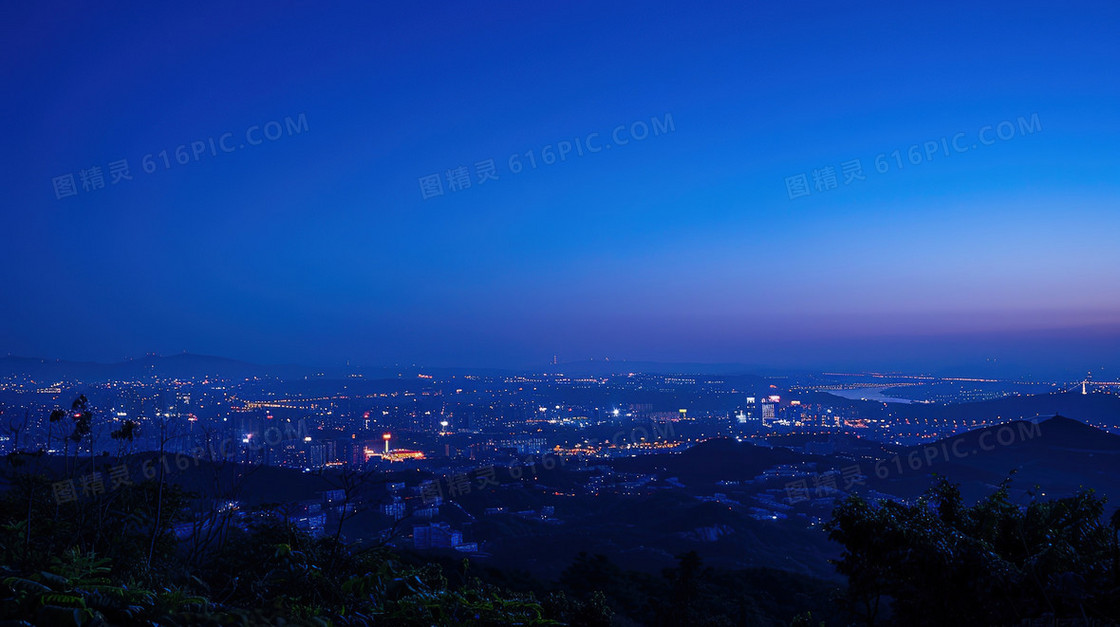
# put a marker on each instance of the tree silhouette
(937, 561)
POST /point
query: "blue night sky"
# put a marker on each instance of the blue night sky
(319, 246)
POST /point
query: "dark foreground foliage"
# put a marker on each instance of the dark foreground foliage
(111, 558)
(940, 562)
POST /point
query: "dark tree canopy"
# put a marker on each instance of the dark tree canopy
(938, 561)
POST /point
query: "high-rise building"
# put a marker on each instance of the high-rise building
(323, 453)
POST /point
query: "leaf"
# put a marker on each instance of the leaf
(57, 581)
(62, 599)
(27, 585)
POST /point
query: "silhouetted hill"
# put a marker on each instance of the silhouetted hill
(712, 460)
(1059, 455)
(254, 484)
(1096, 406)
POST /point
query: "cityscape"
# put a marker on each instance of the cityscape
(451, 447)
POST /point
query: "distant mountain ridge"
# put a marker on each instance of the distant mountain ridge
(185, 365)
(1096, 405)
(193, 366)
(1095, 408)
(605, 367)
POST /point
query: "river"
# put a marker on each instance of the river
(869, 394)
